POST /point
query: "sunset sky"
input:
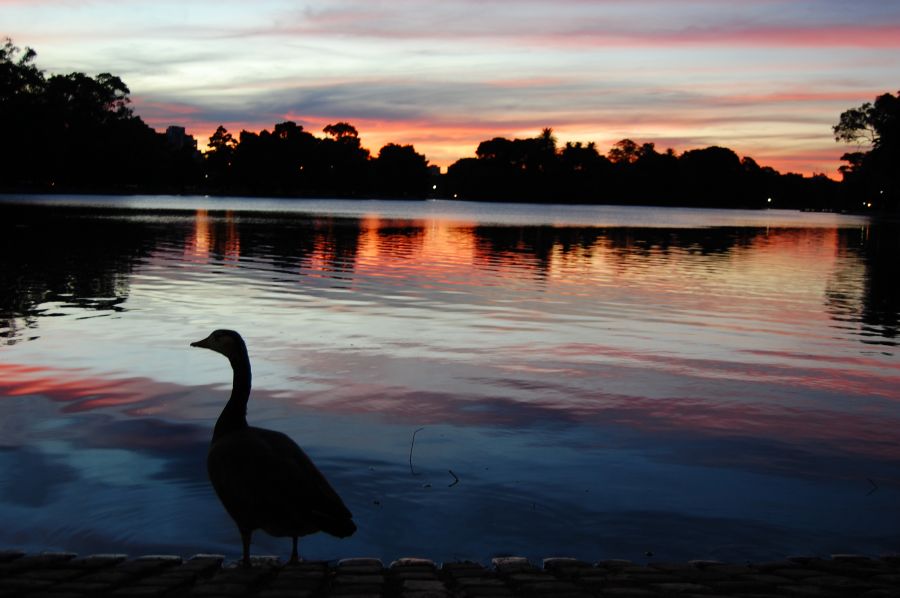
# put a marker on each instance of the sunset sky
(766, 78)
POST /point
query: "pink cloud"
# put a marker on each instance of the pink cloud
(798, 96)
(151, 110)
(832, 36)
(568, 30)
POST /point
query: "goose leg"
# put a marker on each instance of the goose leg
(295, 558)
(245, 540)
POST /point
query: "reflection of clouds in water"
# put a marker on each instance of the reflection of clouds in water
(177, 450)
(460, 394)
(110, 467)
(657, 489)
(64, 494)
(32, 478)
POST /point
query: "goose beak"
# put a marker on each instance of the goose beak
(204, 344)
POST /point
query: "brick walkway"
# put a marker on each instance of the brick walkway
(64, 575)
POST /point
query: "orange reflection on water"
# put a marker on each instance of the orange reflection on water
(425, 250)
(199, 245)
(776, 276)
(447, 244)
(232, 248)
(368, 240)
(330, 255)
(81, 390)
(204, 240)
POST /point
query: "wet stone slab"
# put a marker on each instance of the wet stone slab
(66, 575)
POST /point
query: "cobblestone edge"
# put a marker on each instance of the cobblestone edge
(66, 575)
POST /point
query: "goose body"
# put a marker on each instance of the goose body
(263, 478)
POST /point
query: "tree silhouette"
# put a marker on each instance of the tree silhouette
(346, 169)
(77, 132)
(18, 75)
(712, 177)
(21, 89)
(585, 172)
(653, 174)
(625, 151)
(222, 142)
(401, 171)
(218, 159)
(342, 132)
(872, 177)
(857, 125)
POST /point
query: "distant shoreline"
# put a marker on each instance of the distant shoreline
(391, 207)
(12, 194)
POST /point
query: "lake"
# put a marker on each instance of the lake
(475, 379)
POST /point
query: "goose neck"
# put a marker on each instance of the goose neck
(234, 415)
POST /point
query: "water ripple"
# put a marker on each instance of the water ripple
(668, 381)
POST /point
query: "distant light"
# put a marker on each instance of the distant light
(434, 186)
(869, 205)
(769, 200)
(455, 196)
(881, 192)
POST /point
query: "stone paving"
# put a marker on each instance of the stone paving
(65, 575)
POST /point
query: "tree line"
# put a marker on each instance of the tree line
(289, 161)
(631, 173)
(77, 133)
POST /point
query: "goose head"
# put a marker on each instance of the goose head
(227, 342)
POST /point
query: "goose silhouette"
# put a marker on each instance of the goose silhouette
(263, 478)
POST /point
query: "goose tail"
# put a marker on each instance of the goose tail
(341, 528)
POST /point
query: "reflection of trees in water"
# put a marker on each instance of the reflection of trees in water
(702, 241)
(536, 246)
(56, 258)
(526, 248)
(291, 243)
(402, 239)
(63, 258)
(863, 288)
(881, 304)
(863, 291)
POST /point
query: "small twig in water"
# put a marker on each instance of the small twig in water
(411, 445)
(874, 487)
(455, 479)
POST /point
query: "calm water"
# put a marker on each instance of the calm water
(603, 382)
